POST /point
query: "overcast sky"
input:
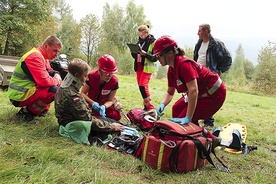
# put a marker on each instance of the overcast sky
(246, 22)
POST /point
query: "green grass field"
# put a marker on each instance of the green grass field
(36, 153)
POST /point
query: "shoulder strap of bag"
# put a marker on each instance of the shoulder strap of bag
(206, 153)
(201, 149)
(198, 144)
(163, 132)
(226, 169)
(175, 153)
(173, 160)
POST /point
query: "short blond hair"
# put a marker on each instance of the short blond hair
(205, 27)
(144, 28)
(78, 66)
(52, 40)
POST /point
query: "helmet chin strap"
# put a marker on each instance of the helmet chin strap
(71, 80)
(165, 60)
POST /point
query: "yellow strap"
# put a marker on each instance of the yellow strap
(182, 127)
(195, 161)
(145, 148)
(160, 156)
(190, 124)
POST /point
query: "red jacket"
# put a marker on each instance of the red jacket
(40, 70)
(97, 92)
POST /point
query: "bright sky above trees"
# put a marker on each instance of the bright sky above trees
(246, 22)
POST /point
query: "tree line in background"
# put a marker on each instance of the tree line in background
(26, 23)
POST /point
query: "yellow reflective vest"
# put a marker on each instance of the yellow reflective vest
(21, 87)
(149, 66)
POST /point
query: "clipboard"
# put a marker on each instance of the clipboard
(134, 47)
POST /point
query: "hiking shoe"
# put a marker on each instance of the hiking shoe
(148, 104)
(25, 115)
(216, 142)
(208, 126)
(148, 107)
(209, 123)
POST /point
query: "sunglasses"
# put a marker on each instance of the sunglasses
(159, 55)
(106, 74)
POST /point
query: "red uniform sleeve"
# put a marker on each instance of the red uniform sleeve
(39, 69)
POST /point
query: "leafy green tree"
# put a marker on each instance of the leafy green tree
(18, 24)
(118, 29)
(135, 17)
(90, 29)
(43, 30)
(236, 74)
(264, 76)
(69, 31)
(125, 64)
(161, 71)
(189, 52)
(111, 27)
(248, 69)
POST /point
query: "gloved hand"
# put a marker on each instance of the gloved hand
(102, 111)
(160, 110)
(181, 121)
(96, 106)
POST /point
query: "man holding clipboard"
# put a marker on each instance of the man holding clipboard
(144, 63)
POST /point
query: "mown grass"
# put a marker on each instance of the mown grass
(35, 153)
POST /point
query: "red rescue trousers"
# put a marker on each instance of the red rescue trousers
(143, 81)
(205, 108)
(40, 100)
(110, 112)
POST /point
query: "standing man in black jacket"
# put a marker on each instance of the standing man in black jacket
(211, 53)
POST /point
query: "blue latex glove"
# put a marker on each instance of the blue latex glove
(181, 121)
(96, 106)
(129, 131)
(102, 111)
(160, 110)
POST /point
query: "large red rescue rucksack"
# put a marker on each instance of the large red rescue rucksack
(171, 147)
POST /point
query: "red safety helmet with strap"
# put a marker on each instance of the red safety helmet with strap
(107, 64)
(162, 43)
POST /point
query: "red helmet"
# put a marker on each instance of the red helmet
(107, 64)
(162, 43)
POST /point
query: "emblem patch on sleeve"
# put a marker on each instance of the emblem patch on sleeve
(77, 99)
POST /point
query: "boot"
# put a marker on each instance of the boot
(25, 115)
(148, 104)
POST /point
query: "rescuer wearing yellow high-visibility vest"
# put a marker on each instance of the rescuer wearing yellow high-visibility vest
(144, 64)
(34, 83)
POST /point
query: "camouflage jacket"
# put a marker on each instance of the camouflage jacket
(71, 106)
